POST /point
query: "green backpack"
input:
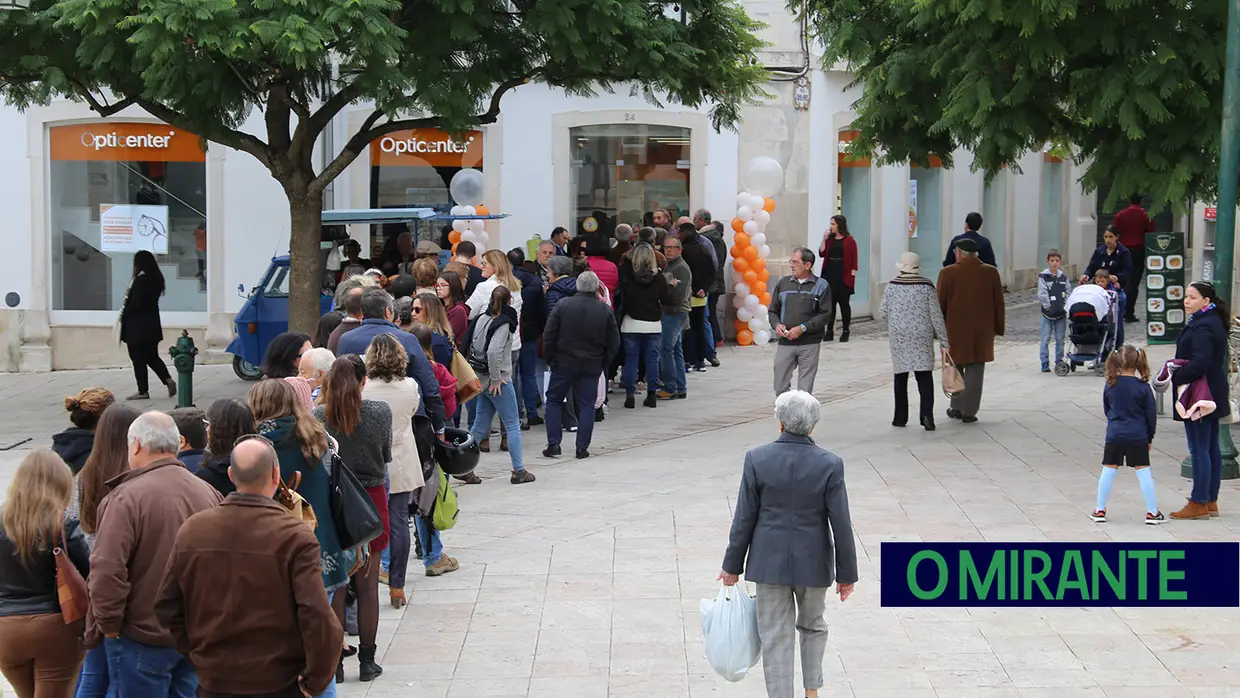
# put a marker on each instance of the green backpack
(444, 515)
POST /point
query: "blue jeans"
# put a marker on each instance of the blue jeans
(1206, 457)
(432, 546)
(672, 354)
(93, 681)
(636, 347)
(1049, 328)
(398, 548)
(145, 671)
(486, 406)
(529, 377)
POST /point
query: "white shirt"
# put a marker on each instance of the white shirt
(1097, 296)
(481, 300)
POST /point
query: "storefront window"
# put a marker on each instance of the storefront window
(623, 173)
(115, 189)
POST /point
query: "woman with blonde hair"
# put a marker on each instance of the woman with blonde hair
(74, 444)
(387, 383)
(429, 310)
(646, 292)
(39, 654)
(496, 271)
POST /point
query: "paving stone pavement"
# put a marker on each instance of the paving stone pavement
(587, 582)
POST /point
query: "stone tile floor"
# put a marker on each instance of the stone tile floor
(587, 583)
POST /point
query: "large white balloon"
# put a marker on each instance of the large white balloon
(466, 187)
(743, 314)
(761, 337)
(764, 251)
(755, 325)
(469, 236)
(762, 216)
(751, 228)
(758, 239)
(763, 176)
(742, 289)
(744, 213)
(738, 301)
(743, 198)
(460, 225)
(752, 302)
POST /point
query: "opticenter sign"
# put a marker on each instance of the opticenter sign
(119, 141)
(427, 147)
(418, 146)
(116, 140)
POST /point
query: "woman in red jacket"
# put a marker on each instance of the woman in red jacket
(839, 268)
(597, 249)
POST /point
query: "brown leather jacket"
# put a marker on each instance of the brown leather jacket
(138, 522)
(244, 599)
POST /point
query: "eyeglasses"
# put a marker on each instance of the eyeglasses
(441, 284)
(417, 308)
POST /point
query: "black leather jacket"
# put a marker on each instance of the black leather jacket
(29, 588)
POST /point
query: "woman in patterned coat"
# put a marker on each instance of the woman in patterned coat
(914, 320)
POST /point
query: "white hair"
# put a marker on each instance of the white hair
(321, 358)
(624, 232)
(798, 412)
(587, 282)
(156, 431)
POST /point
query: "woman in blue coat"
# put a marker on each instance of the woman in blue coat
(1203, 343)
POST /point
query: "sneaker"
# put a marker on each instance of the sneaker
(571, 430)
(699, 369)
(1046, 368)
(714, 361)
(1154, 519)
(664, 395)
(520, 477)
(139, 396)
(1101, 516)
(470, 479)
(681, 396)
(383, 577)
(444, 566)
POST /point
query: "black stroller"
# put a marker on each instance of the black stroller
(1091, 340)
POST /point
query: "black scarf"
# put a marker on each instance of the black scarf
(906, 279)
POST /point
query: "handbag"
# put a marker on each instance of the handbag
(468, 386)
(294, 503)
(953, 382)
(353, 511)
(70, 585)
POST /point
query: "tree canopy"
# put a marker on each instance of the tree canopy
(206, 66)
(1130, 88)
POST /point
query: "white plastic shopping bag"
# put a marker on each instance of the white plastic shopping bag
(730, 628)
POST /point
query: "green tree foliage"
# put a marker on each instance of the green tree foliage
(1131, 88)
(206, 65)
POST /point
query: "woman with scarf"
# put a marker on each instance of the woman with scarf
(911, 306)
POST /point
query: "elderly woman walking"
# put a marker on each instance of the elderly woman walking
(914, 320)
(792, 521)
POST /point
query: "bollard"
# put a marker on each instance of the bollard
(183, 353)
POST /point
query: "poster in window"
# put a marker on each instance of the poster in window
(912, 208)
(131, 228)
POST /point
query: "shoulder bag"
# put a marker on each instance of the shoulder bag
(295, 504)
(70, 585)
(467, 384)
(353, 512)
(953, 382)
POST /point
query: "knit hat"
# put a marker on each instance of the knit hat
(909, 263)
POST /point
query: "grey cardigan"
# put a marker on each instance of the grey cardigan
(792, 517)
(368, 450)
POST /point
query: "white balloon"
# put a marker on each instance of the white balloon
(469, 236)
(764, 311)
(756, 203)
(742, 199)
(761, 337)
(751, 302)
(480, 247)
(751, 228)
(742, 289)
(764, 251)
(460, 225)
(744, 213)
(757, 239)
(755, 325)
(738, 302)
(456, 210)
(466, 187)
(467, 211)
(485, 236)
(476, 225)
(762, 216)
(763, 176)
(743, 314)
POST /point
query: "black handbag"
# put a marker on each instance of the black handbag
(353, 511)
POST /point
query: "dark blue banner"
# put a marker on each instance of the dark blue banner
(1061, 574)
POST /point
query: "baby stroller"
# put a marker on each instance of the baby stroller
(1090, 340)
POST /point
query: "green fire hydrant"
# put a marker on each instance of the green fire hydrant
(183, 353)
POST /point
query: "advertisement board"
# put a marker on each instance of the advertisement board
(131, 227)
(1164, 287)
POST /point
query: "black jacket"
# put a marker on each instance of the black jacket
(700, 262)
(533, 305)
(1119, 262)
(1203, 341)
(475, 278)
(140, 317)
(214, 472)
(581, 334)
(73, 446)
(644, 293)
(713, 234)
(29, 588)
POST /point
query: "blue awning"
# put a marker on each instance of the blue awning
(378, 216)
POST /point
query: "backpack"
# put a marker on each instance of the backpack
(1059, 298)
(444, 515)
(475, 355)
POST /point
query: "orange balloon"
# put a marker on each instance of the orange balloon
(768, 204)
(757, 264)
(740, 265)
(454, 237)
(740, 325)
(751, 253)
(734, 251)
(741, 240)
(738, 225)
(765, 299)
(744, 338)
(484, 211)
(764, 275)
(751, 277)
(758, 288)
(454, 246)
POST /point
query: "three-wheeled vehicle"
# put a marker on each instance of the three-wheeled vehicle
(265, 312)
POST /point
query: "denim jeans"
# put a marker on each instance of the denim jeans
(399, 543)
(1207, 459)
(529, 377)
(505, 404)
(145, 671)
(672, 354)
(93, 681)
(639, 346)
(1057, 328)
(432, 546)
(584, 387)
(696, 350)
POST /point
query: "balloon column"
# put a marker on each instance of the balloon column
(763, 179)
(466, 190)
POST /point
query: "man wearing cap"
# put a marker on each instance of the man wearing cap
(972, 228)
(971, 297)
(428, 248)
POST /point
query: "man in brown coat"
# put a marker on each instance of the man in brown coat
(971, 296)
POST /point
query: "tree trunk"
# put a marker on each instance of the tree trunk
(305, 261)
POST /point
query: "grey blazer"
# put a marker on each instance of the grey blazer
(792, 517)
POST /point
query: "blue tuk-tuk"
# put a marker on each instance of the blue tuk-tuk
(265, 312)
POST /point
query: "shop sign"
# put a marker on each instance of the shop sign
(1164, 287)
(427, 147)
(1211, 213)
(132, 228)
(124, 141)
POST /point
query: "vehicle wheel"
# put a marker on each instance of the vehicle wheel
(1062, 369)
(1100, 368)
(245, 370)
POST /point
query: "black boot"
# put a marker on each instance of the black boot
(367, 669)
(629, 402)
(844, 336)
(340, 671)
(652, 398)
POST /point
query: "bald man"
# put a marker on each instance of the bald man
(245, 577)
